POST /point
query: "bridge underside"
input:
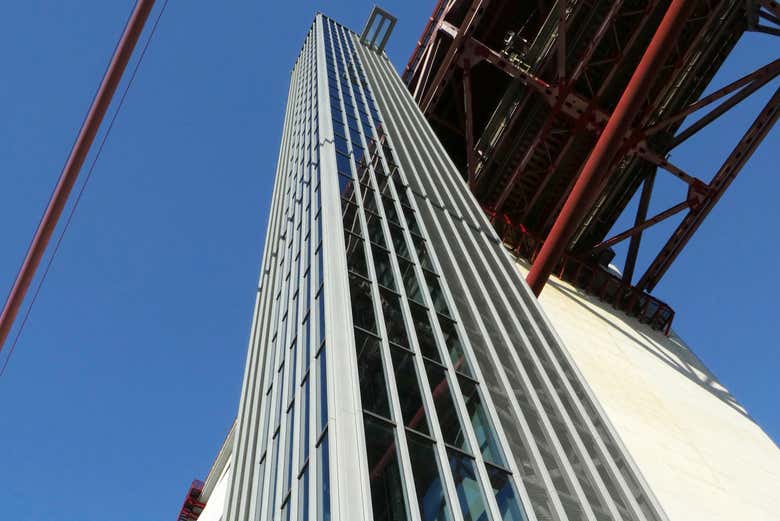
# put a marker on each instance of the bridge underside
(519, 93)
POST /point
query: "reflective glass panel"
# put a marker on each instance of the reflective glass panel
(427, 480)
(373, 390)
(464, 473)
(387, 497)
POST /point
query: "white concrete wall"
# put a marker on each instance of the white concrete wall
(702, 456)
(215, 505)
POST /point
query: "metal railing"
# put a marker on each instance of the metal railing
(588, 276)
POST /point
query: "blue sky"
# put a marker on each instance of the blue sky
(128, 374)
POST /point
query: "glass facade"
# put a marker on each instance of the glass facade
(388, 375)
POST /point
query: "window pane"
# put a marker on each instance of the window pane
(289, 441)
(483, 429)
(410, 280)
(394, 320)
(374, 227)
(506, 498)
(427, 480)
(472, 502)
(454, 347)
(445, 408)
(349, 217)
(437, 296)
(384, 270)
(304, 448)
(373, 389)
(356, 254)
(387, 497)
(399, 242)
(362, 304)
(303, 496)
(346, 187)
(422, 325)
(323, 481)
(409, 394)
(322, 402)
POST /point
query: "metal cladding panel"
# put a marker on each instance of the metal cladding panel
(568, 461)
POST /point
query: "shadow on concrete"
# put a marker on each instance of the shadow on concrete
(669, 349)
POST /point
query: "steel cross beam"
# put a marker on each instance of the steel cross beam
(582, 111)
(606, 149)
(448, 61)
(78, 155)
(723, 178)
(641, 215)
(647, 223)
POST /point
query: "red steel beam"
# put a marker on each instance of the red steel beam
(756, 79)
(643, 225)
(723, 178)
(475, 9)
(641, 216)
(588, 184)
(75, 161)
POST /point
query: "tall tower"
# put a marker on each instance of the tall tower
(400, 368)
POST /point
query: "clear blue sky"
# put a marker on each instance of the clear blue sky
(128, 374)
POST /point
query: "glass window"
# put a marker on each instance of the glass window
(356, 254)
(303, 495)
(390, 212)
(464, 473)
(373, 389)
(374, 227)
(306, 343)
(384, 270)
(410, 280)
(343, 163)
(323, 480)
(346, 187)
(393, 317)
(412, 408)
(449, 420)
(350, 217)
(399, 242)
(387, 497)
(422, 326)
(291, 379)
(362, 304)
(454, 346)
(289, 439)
(273, 473)
(322, 392)
(320, 298)
(422, 253)
(427, 480)
(437, 296)
(341, 145)
(304, 448)
(506, 498)
(483, 429)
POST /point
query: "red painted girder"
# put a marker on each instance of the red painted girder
(607, 147)
(74, 163)
(723, 178)
(449, 58)
(662, 216)
(424, 37)
(756, 79)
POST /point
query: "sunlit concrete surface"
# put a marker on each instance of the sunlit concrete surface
(215, 503)
(699, 450)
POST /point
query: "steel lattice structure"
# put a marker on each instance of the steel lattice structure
(519, 93)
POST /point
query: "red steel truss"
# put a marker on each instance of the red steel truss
(520, 94)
